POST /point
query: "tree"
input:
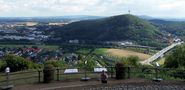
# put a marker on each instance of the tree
(90, 62)
(176, 59)
(56, 63)
(130, 61)
(17, 63)
(133, 61)
(2, 65)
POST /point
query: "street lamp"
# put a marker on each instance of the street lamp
(85, 78)
(157, 79)
(7, 86)
(7, 71)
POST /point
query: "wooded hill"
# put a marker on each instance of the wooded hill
(116, 28)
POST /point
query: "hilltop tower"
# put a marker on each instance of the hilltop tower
(129, 11)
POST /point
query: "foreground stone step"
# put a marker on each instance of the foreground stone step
(142, 87)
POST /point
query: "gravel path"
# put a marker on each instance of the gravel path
(129, 84)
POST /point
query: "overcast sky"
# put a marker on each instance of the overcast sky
(156, 8)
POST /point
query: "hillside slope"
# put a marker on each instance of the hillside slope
(174, 27)
(116, 28)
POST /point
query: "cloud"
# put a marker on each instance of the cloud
(164, 8)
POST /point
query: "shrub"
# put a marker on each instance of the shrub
(133, 61)
(176, 58)
(48, 73)
(52, 62)
(120, 71)
(17, 63)
(56, 63)
(179, 74)
(2, 65)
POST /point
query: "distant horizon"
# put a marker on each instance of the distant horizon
(45, 8)
(89, 15)
(47, 16)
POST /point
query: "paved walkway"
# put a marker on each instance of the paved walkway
(94, 85)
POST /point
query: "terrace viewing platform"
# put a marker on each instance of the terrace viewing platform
(127, 84)
(135, 78)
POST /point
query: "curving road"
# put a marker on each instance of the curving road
(160, 53)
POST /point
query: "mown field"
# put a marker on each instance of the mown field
(127, 53)
(122, 53)
(161, 61)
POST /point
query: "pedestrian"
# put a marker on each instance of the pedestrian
(104, 77)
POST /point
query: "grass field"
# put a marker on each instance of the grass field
(161, 61)
(127, 53)
(100, 51)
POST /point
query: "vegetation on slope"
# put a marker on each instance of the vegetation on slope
(17, 63)
(174, 27)
(176, 59)
(116, 28)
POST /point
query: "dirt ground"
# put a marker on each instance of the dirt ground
(81, 85)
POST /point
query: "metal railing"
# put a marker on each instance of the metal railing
(36, 76)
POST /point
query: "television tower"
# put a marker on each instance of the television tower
(129, 11)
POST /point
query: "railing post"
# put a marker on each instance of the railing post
(58, 73)
(39, 72)
(128, 72)
(156, 72)
(111, 71)
(7, 78)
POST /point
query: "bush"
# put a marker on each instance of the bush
(2, 65)
(133, 61)
(176, 58)
(179, 74)
(48, 73)
(17, 63)
(56, 63)
(120, 71)
(52, 62)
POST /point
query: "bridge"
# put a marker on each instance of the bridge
(160, 53)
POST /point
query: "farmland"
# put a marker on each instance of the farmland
(126, 53)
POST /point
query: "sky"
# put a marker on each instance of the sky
(33, 8)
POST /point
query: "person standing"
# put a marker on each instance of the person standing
(104, 77)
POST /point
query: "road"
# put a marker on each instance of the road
(160, 53)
